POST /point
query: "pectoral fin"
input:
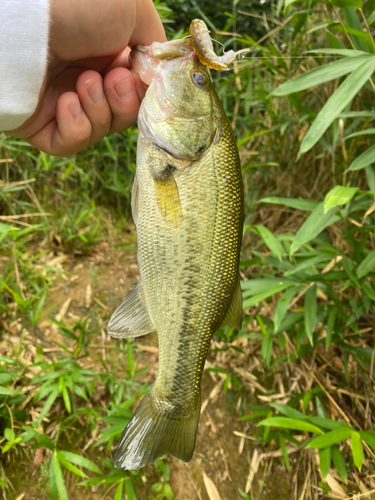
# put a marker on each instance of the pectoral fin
(234, 314)
(131, 319)
(168, 199)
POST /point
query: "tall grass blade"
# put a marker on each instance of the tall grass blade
(337, 103)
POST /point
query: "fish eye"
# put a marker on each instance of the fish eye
(200, 79)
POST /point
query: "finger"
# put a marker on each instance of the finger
(149, 27)
(122, 96)
(69, 132)
(120, 61)
(94, 103)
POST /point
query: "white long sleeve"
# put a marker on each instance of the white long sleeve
(23, 58)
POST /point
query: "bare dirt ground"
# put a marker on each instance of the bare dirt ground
(225, 451)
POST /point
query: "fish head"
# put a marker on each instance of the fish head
(177, 114)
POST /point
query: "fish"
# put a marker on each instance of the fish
(187, 205)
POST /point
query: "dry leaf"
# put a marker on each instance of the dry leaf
(60, 259)
(38, 456)
(330, 265)
(254, 466)
(336, 488)
(369, 211)
(244, 436)
(88, 296)
(148, 348)
(20, 497)
(212, 491)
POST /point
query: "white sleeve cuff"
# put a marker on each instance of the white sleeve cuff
(23, 58)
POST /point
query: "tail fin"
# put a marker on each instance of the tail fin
(157, 428)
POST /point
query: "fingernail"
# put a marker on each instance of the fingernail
(96, 93)
(75, 109)
(124, 89)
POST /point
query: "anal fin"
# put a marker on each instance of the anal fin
(234, 315)
(131, 319)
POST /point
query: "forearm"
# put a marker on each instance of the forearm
(23, 58)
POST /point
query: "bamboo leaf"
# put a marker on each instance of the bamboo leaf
(284, 452)
(325, 461)
(47, 405)
(118, 494)
(269, 239)
(371, 19)
(290, 423)
(310, 312)
(338, 101)
(59, 478)
(370, 175)
(65, 394)
(367, 131)
(339, 462)
(330, 438)
(288, 411)
(307, 205)
(52, 481)
(81, 461)
(308, 263)
(262, 296)
(343, 4)
(357, 450)
(4, 391)
(316, 222)
(367, 288)
(323, 74)
(326, 423)
(364, 160)
(252, 287)
(337, 52)
(70, 466)
(330, 326)
(367, 265)
(339, 195)
(368, 437)
(282, 305)
(130, 489)
(266, 350)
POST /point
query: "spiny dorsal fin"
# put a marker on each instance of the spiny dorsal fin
(234, 314)
(131, 319)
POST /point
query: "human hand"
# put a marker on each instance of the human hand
(89, 89)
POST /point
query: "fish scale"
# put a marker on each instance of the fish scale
(189, 215)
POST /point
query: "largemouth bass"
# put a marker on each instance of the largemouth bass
(187, 204)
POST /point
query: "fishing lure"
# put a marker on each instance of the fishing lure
(202, 44)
